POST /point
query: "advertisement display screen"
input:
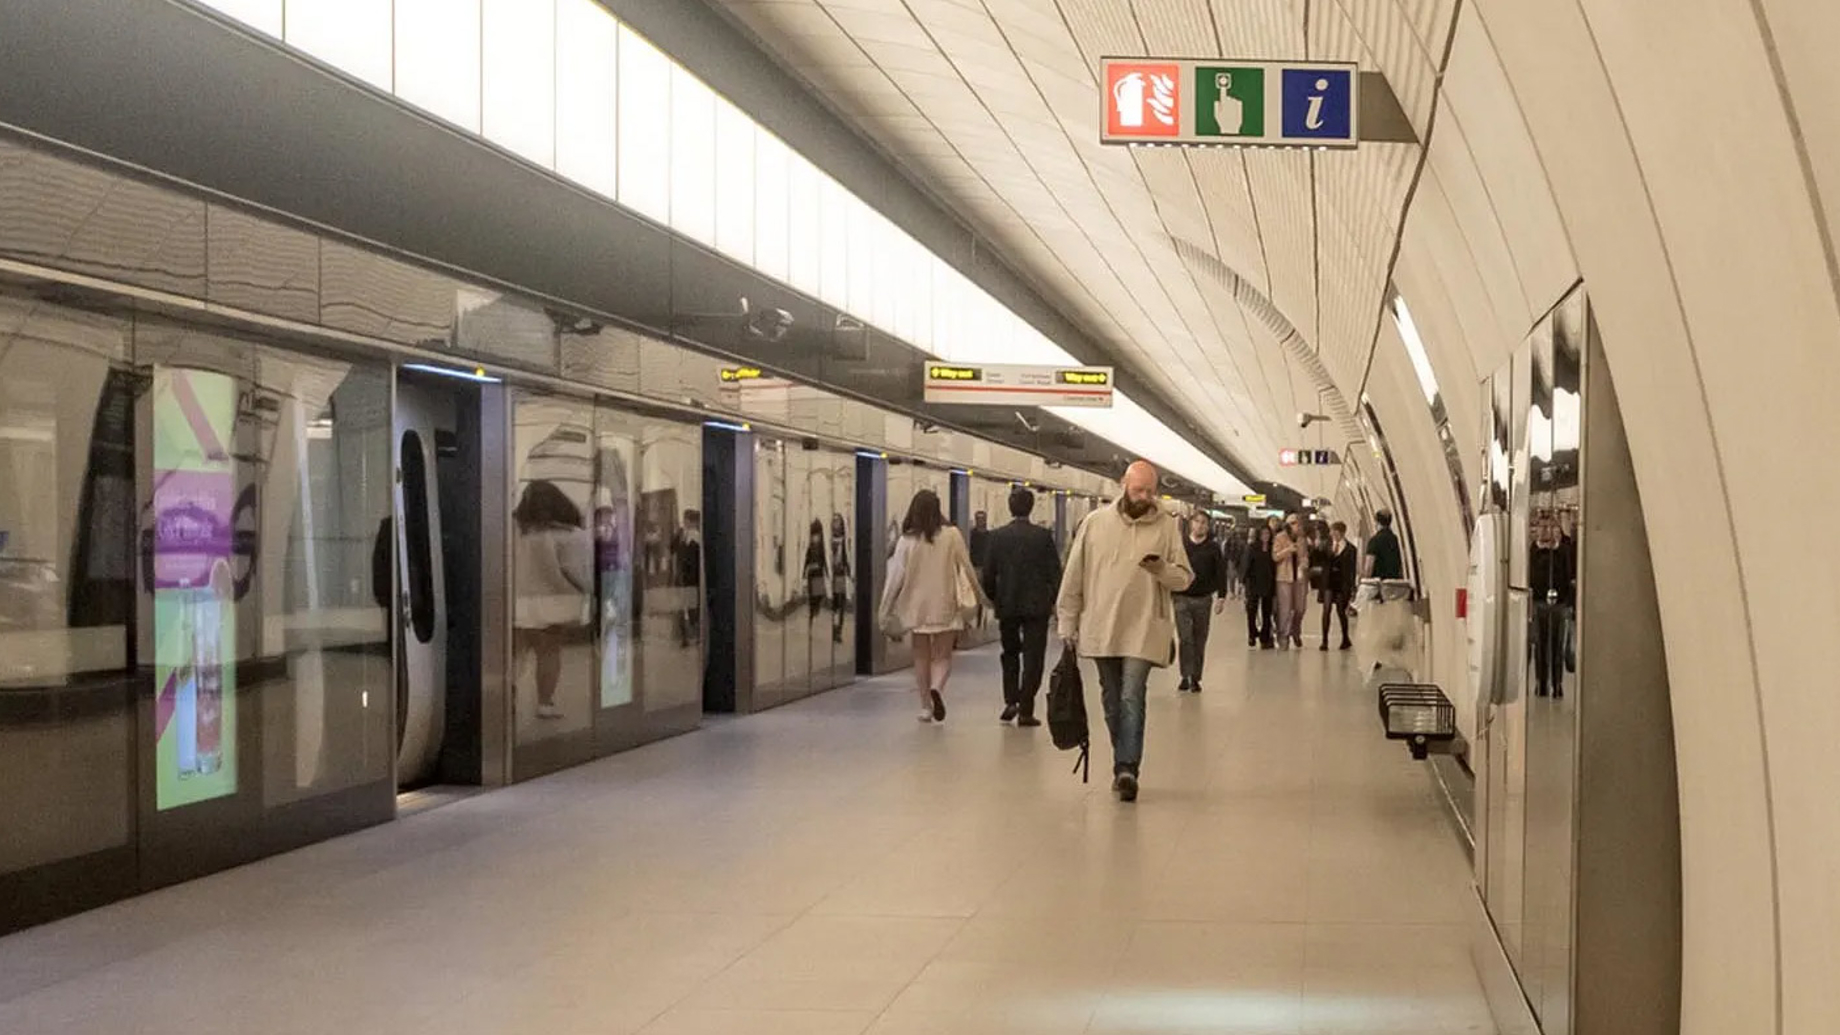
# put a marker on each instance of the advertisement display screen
(194, 495)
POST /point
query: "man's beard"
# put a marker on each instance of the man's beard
(1137, 508)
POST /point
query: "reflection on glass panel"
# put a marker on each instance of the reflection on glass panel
(94, 221)
(1552, 750)
(671, 564)
(605, 357)
(805, 568)
(375, 295)
(552, 566)
(262, 266)
(900, 491)
(771, 206)
(644, 127)
(735, 182)
(490, 324)
(770, 588)
(263, 15)
(616, 463)
(354, 35)
(66, 582)
(587, 95)
(518, 109)
(843, 569)
(693, 157)
(834, 206)
(321, 436)
(804, 231)
(1519, 494)
(437, 58)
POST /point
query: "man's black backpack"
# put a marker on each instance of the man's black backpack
(1067, 712)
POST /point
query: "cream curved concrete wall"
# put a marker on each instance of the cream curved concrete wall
(1683, 157)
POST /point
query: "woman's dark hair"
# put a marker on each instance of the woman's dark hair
(1263, 536)
(817, 529)
(1021, 503)
(924, 518)
(544, 504)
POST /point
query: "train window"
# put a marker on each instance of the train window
(418, 551)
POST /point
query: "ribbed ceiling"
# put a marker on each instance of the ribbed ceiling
(994, 105)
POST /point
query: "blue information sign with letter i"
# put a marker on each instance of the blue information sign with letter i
(1318, 104)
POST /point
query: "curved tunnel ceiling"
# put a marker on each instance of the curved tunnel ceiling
(1244, 285)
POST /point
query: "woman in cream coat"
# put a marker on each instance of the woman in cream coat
(932, 592)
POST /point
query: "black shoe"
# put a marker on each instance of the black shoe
(1126, 785)
(1009, 713)
(1182, 687)
(1325, 645)
(1195, 689)
(1347, 646)
(939, 706)
(1028, 721)
(1267, 645)
(1251, 642)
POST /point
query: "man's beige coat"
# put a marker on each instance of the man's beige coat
(1108, 602)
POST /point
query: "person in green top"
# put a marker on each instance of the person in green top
(1384, 560)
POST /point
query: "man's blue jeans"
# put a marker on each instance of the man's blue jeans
(1122, 683)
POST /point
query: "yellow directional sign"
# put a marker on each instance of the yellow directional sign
(995, 384)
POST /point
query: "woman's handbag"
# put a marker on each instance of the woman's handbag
(967, 595)
(892, 627)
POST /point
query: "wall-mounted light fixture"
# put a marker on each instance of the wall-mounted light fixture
(477, 374)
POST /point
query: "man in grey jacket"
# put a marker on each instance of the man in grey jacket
(1115, 608)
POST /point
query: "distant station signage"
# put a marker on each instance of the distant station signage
(1253, 500)
(1230, 103)
(736, 375)
(1009, 385)
(1308, 457)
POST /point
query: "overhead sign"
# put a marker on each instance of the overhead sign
(733, 375)
(1308, 457)
(1010, 385)
(1229, 103)
(1253, 500)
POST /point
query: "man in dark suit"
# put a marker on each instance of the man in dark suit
(1021, 572)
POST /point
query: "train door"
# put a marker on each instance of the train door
(444, 617)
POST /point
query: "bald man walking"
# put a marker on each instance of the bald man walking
(1115, 608)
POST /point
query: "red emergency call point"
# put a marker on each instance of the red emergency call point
(1462, 603)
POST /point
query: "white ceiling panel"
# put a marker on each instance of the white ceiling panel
(994, 105)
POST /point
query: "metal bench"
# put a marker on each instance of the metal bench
(1419, 714)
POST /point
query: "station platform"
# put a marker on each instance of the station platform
(836, 868)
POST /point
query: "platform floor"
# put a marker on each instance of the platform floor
(836, 868)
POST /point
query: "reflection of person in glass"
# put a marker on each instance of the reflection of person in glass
(1552, 570)
(840, 575)
(816, 570)
(554, 582)
(687, 563)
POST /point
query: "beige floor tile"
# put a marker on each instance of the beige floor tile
(760, 1022)
(834, 868)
